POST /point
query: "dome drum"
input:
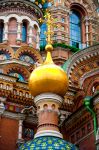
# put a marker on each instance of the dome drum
(48, 97)
(48, 102)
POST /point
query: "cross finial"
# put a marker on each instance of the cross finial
(49, 22)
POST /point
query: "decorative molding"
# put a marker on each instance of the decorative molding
(48, 133)
(48, 97)
(16, 116)
(25, 6)
(14, 61)
(87, 75)
(75, 59)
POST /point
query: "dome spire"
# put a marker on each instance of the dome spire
(49, 21)
(49, 47)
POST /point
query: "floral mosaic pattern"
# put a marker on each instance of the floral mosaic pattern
(48, 143)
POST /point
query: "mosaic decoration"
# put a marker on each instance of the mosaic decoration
(17, 75)
(3, 57)
(43, 4)
(48, 143)
(28, 133)
(12, 108)
(27, 59)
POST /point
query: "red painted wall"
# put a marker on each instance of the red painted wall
(8, 134)
(88, 143)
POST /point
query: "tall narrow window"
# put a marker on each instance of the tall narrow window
(1, 32)
(75, 29)
(24, 32)
(42, 35)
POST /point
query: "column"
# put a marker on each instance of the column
(19, 38)
(20, 129)
(20, 139)
(5, 37)
(38, 41)
(47, 110)
(30, 36)
(2, 108)
(87, 38)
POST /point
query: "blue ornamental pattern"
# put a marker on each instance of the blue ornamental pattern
(48, 143)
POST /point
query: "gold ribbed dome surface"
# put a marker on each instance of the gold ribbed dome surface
(48, 77)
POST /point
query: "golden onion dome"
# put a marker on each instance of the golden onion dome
(48, 77)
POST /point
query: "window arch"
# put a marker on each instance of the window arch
(1, 31)
(75, 29)
(24, 31)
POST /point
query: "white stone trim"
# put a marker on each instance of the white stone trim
(48, 133)
(19, 20)
(12, 16)
(15, 61)
(89, 74)
(35, 23)
(48, 97)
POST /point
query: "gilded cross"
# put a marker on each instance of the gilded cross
(49, 22)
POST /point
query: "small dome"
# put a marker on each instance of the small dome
(48, 77)
(48, 143)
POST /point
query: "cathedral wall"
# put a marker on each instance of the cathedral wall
(8, 133)
(87, 143)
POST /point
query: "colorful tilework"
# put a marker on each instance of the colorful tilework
(48, 143)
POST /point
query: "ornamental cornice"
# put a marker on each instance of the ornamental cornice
(82, 55)
(14, 61)
(11, 115)
(27, 5)
(20, 68)
(60, 8)
(33, 52)
(8, 78)
(6, 49)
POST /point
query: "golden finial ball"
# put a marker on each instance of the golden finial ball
(49, 47)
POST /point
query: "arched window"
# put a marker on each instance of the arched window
(75, 29)
(42, 35)
(24, 32)
(1, 31)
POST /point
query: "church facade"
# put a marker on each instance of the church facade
(75, 39)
